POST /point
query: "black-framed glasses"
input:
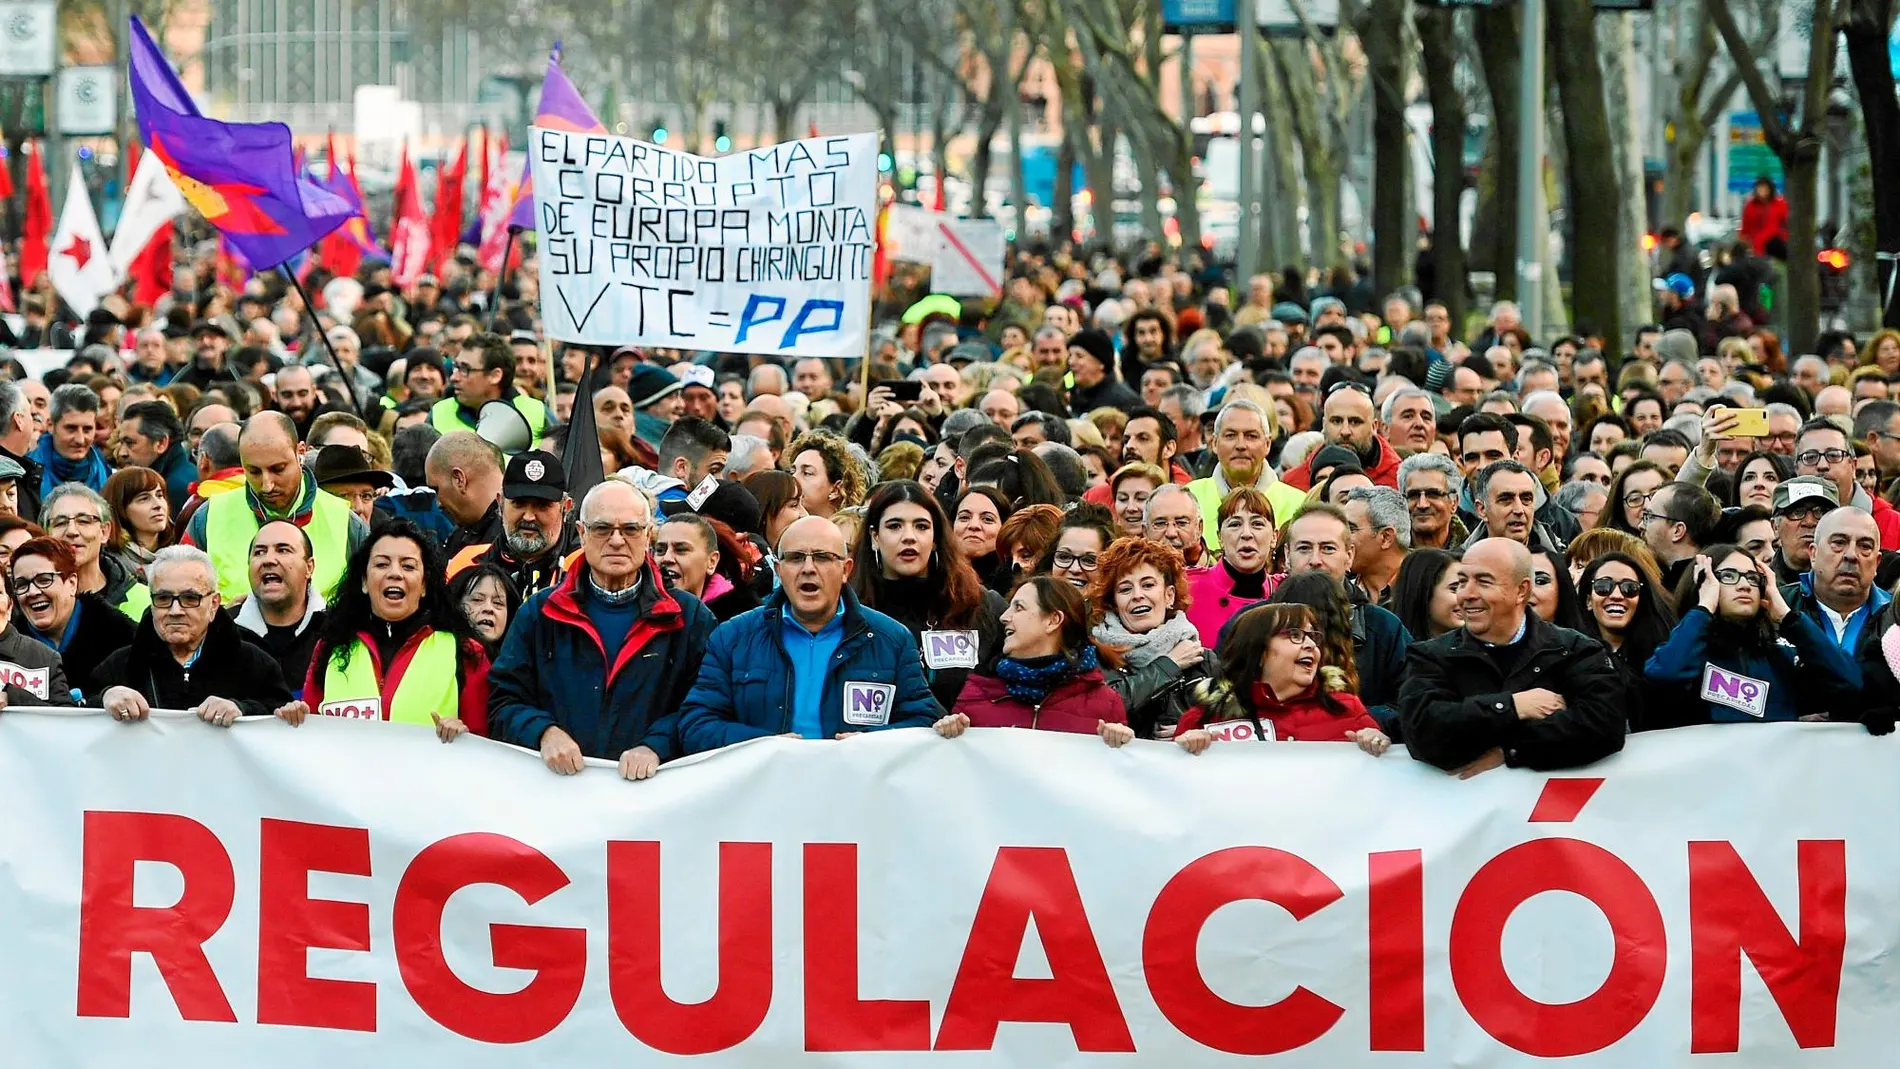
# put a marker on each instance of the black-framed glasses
(1084, 561)
(163, 600)
(1648, 516)
(1301, 636)
(1814, 457)
(1798, 513)
(1604, 586)
(1636, 499)
(20, 584)
(1736, 577)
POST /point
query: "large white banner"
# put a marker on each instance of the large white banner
(767, 250)
(359, 894)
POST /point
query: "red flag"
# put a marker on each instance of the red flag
(880, 263)
(152, 271)
(37, 234)
(132, 148)
(446, 228)
(938, 207)
(488, 150)
(409, 233)
(6, 176)
(337, 254)
(405, 180)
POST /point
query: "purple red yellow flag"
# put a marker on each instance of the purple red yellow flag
(242, 177)
(561, 108)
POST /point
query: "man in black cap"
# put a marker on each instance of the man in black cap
(344, 471)
(536, 530)
(655, 394)
(1092, 364)
(211, 339)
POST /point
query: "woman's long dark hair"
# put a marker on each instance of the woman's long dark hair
(1757, 635)
(349, 605)
(1783, 466)
(1569, 609)
(1649, 625)
(958, 591)
(1332, 610)
(1419, 575)
(1023, 478)
(465, 581)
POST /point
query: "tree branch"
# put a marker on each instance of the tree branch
(1759, 93)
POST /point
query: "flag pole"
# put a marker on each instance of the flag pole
(310, 312)
(501, 276)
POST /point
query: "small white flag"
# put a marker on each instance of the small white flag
(152, 201)
(81, 270)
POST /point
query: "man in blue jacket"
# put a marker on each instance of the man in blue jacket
(811, 662)
(597, 665)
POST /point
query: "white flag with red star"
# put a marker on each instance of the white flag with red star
(82, 273)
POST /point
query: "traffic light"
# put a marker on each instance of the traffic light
(722, 141)
(884, 162)
(659, 131)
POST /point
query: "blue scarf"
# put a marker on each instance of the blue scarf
(1032, 680)
(91, 469)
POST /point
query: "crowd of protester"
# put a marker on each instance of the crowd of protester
(1119, 500)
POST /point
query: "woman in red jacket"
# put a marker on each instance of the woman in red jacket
(1048, 677)
(1273, 688)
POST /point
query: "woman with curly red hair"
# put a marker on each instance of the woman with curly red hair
(1140, 596)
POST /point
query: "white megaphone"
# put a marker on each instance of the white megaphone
(504, 427)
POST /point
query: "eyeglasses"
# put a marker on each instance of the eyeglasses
(1423, 494)
(1798, 513)
(1636, 499)
(1736, 576)
(1784, 438)
(466, 369)
(1813, 457)
(1066, 559)
(817, 558)
(1302, 636)
(606, 531)
(81, 520)
(163, 600)
(1648, 516)
(1606, 586)
(43, 581)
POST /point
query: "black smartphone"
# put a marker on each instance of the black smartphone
(905, 390)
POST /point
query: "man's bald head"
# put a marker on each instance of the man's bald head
(1503, 556)
(268, 427)
(465, 472)
(464, 450)
(812, 533)
(1854, 522)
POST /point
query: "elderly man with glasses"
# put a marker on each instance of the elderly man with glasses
(597, 665)
(187, 654)
(812, 662)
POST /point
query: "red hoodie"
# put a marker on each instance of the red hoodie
(1384, 470)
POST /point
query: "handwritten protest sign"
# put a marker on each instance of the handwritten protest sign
(763, 251)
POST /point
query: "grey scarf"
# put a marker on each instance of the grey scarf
(1144, 649)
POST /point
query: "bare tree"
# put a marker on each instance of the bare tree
(1494, 240)
(1382, 30)
(1437, 29)
(1699, 101)
(1796, 141)
(1591, 157)
(1866, 25)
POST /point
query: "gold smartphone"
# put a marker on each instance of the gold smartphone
(1749, 422)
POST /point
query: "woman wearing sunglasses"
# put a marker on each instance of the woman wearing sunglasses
(1625, 611)
(1725, 661)
(1275, 687)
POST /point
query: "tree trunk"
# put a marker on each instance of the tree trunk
(1179, 161)
(1617, 38)
(1681, 163)
(1062, 212)
(1497, 47)
(1018, 179)
(1319, 153)
(1391, 228)
(1436, 30)
(1596, 263)
(989, 123)
(1880, 115)
(1279, 186)
(1801, 174)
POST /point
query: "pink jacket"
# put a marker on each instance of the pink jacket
(1212, 602)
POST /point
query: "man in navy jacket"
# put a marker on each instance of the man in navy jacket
(597, 665)
(811, 662)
